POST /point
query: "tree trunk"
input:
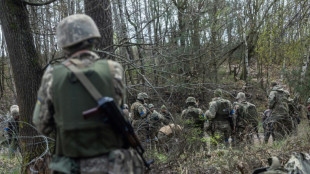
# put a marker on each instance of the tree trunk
(26, 70)
(100, 11)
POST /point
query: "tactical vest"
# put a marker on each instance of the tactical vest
(247, 114)
(281, 106)
(223, 110)
(193, 114)
(76, 136)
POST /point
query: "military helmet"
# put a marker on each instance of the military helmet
(240, 96)
(274, 83)
(74, 29)
(190, 100)
(151, 106)
(145, 95)
(140, 96)
(163, 107)
(218, 93)
(14, 110)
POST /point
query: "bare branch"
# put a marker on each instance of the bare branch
(38, 4)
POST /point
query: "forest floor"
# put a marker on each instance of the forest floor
(233, 160)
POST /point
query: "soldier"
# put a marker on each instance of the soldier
(82, 145)
(167, 115)
(13, 128)
(245, 120)
(193, 116)
(139, 115)
(155, 122)
(220, 120)
(267, 125)
(277, 102)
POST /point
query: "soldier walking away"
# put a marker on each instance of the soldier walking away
(155, 122)
(90, 145)
(139, 115)
(193, 116)
(220, 119)
(267, 125)
(278, 103)
(245, 119)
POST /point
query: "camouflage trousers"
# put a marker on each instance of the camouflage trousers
(117, 161)
(220, 132)
(268, 129)
(142, 129)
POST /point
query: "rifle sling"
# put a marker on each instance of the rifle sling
(84, 80)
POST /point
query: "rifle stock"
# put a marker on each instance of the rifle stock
(107, 107)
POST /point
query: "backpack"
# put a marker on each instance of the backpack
(248, 114)
(193, 114)
(223, 107)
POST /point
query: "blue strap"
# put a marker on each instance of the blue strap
(232, 112)
(141, 113)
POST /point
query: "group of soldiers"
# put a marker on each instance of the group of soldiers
(77, 100)
(146, 120)
(224, 120)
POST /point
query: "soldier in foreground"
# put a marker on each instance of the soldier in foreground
(278, 103)
(245, 120)
(220, 120)
(83, 145)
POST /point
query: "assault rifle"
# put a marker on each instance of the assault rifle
(108, 108)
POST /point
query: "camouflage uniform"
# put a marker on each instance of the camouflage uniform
(220, 122)
(155, 122)
(245, 123)
(13, 128)
(139, 115)
(267, 125)
(277, 102)
(167, 115)
(193, 116)
(80, 29)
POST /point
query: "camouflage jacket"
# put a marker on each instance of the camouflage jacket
(44, 120)
(243, 116)
(278, 101)
(193, 115)
(214, 107)
(138, 110)
(155, 119)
